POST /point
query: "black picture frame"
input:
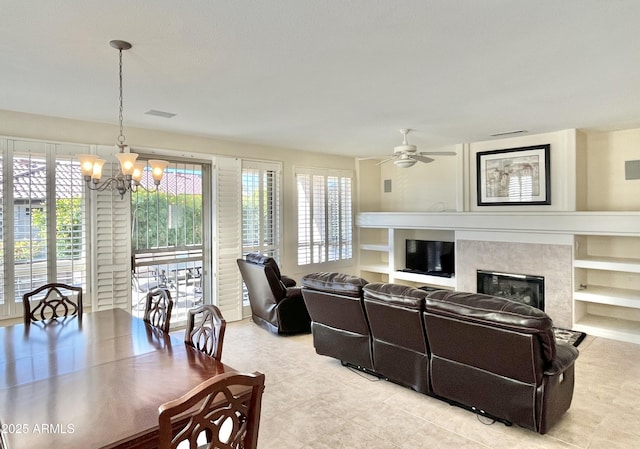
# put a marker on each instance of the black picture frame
(514, 176)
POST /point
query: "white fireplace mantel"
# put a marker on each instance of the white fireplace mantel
(582, 223)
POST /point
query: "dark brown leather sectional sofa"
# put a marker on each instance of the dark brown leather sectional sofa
(490, 355)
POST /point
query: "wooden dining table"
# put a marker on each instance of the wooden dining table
(94, 381)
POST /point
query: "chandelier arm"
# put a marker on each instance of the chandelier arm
(136, 186)
(108, 184)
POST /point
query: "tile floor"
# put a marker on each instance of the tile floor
(312, 401)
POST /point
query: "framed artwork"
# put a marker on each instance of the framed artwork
(515, 176)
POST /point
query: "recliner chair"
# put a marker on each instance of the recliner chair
(498, 357)
(339, 321)
(399, 346)
(274, 306)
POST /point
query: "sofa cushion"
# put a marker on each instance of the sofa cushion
(338, 283)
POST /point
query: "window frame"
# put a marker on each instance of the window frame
(345, 225)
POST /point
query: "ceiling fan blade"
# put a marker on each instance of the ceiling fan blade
(421, 158)
(385, 160)
(369, 158)
(438, 153)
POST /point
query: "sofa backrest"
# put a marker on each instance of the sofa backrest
(261, 259)
(335, 299)
(395, 314)
(400, 351)
(489, 333)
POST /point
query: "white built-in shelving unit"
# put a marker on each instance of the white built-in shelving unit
(607, 288)
(606, 263)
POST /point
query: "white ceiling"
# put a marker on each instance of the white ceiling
(336, 76)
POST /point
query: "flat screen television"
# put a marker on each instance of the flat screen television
(430, 257)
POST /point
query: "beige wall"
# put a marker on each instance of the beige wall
(606, 153)
(14, 124)
(423, 187)
(449, 183)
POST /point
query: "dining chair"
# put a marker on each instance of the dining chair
(3, 439)
(52, 301)
(205, 330)
(224, 409)
(157, 310)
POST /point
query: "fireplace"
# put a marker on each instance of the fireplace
(523, 288)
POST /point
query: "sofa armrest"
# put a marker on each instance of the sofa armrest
(287, 281)
(292, 293)
(566, 355)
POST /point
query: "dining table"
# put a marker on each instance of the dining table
(92, 381)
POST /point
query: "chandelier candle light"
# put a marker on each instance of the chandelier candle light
(130, 176)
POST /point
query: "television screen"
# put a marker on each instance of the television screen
(430, 257)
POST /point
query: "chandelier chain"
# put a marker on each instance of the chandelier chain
(120, 115)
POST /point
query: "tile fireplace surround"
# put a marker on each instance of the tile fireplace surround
(552, 261)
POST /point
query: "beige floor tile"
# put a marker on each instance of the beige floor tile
(313, 402)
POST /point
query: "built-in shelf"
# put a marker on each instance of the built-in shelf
(426, 279)
(384, 269)
(627, 265)
(607, 327)
(374, 247)
(607, 295)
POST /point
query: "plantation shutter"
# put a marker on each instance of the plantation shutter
(228, 237)
(111, 241)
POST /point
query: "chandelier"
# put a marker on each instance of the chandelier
(131, 172)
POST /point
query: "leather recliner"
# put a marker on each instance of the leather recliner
(400, 351)
(339, 324)
(274, 306)
(499, 357)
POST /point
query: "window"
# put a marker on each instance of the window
(325, 216)
(261, 208)
(260, 211)
(43, 236)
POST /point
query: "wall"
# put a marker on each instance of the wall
(15, 124)
(449, 183)
(606, 153)
(423, 187)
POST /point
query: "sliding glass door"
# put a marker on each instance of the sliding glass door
(168, 236)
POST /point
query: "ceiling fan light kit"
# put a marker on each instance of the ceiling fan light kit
(404, 163)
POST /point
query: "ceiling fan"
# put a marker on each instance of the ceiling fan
(405, 155)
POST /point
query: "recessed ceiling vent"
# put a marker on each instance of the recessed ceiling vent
(160, 113)
(508, 133)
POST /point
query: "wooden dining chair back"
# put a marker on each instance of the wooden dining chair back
(52, 301)
(157, 310)
(3, 439)
(224, 409)
(205, 330)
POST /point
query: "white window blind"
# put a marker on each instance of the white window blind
(228, 225)
(261, 208)
(111, 253)
(43, 225)
(325, 229)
